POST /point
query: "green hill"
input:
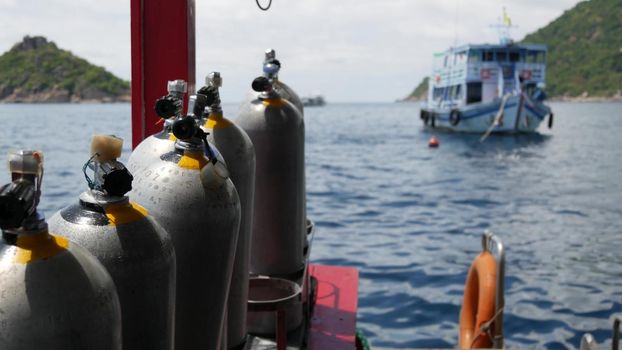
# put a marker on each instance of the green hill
(36, 70)
(420, 92)
(585, 50)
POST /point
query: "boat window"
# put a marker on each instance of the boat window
(529, 88)
(531, 56)
(445, 63)
(461, 56)
(474, 92)
(502, 56)
(514, 56)
(438, 93)
(508, 72)
(458, 92)
(488, 56)
(540, 58)
(475, 56)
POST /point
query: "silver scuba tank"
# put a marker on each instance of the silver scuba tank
(271, 68)
(135, 250)
(169, 108)
(55, 294)
(188, 191)
(239, 153)
(276, 129)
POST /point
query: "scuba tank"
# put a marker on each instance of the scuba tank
(135, 250)
(188, 191)
(271, 68)
(239, 153)
(276, 129)
(169, 108)
(55, 294)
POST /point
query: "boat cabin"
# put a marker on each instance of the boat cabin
(482, 73)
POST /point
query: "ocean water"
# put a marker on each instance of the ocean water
(410, 218)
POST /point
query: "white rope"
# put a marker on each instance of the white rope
(486, 327)
(497, 119)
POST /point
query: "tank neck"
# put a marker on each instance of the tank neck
(213, 110)
(94, 197)
(167, 125)
(25, 239)
(269, 95)
(189, 146)
(34, 224)
(215, 116)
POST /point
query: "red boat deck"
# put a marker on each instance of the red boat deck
(333, 323)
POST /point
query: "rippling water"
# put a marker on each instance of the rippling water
(410, 217)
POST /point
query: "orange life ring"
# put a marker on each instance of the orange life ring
(478, 305)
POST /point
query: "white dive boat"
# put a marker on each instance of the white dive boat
(314, 100)
(488, 88)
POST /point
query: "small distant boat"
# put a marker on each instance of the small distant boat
(488, 88)
(315, 100)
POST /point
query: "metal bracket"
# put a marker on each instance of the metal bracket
(488, 238)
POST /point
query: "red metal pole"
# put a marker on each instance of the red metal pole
(281, 330)
(163, 48)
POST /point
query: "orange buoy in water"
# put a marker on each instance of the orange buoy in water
(433, 142)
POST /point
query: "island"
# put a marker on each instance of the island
(35, 70)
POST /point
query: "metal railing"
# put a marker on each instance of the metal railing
(615, 337)
(488, 238)
(589, 343)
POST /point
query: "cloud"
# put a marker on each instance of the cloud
(351, 50)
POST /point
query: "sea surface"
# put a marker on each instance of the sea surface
(410, 217)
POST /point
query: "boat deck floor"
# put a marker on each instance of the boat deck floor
(332, 325)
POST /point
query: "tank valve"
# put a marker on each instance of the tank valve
(172, 104)
(271, 68)
(19, 199)
(197, 104)
(270, 54)
(262, 84)
(214, 79)
(110, 175)
(187, 130)
(213, 82)
(271, 65)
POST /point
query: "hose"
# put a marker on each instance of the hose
(361, 340)
(266, 8)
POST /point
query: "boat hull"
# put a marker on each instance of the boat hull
(520, 114)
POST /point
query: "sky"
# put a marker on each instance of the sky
(347, 50)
